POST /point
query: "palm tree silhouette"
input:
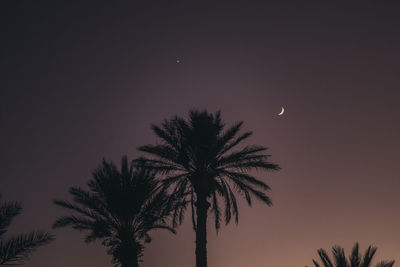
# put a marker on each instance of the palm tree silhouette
(354, 260)
(17, 249)
(120, 209)
(199, 163)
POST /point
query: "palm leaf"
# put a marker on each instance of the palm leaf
(17, 249)
(8, 211)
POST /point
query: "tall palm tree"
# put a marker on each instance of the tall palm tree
(354, 260)
(17, 249)
(200, 164)
(120, 209)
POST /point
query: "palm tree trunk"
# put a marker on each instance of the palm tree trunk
(132, 263)
(130, 256)
(201, 232)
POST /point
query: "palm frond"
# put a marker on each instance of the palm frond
(8, 211)
(355, 258)
(368, 255)
(325, 258)
(216, 211)
(76, 208)
(227, 199)
(247, 178)
(339, 256)
(162, 151)
(78, 223)
(246, 189)
(17, 249)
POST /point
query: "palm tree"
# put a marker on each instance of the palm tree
(120, 209)
(17, 249)
(354, 260)
(200, 164)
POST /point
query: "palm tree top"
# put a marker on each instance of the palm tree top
(201, 157)
(120, 208)
(354, 260)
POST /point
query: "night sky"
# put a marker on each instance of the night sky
(83, 82)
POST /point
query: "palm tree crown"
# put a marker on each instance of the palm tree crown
(354, 260)
(17, 249)
(120, 209)
(201, 165)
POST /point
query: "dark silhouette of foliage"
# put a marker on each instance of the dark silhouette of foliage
(120, 209)
(16, 250)
(201, 165)
(354, 260)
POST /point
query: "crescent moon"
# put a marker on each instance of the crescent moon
(283, 111)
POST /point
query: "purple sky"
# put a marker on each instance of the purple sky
(83, 82)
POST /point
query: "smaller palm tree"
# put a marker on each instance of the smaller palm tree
(17, 249)
(354, 260)
(120, 209)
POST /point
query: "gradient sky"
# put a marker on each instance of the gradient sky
(80, 82)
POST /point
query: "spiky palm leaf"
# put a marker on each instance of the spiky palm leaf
(17, 249)
(8, 210)
(354, 260)
(200, 164)
(120, 209)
